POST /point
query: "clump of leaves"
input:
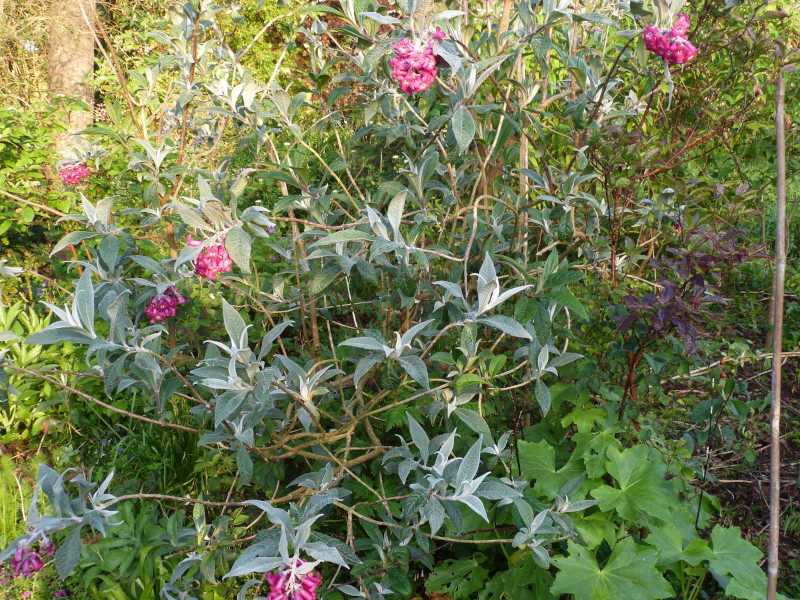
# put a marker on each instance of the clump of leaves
(689, 283)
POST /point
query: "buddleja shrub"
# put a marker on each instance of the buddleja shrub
(365, 381)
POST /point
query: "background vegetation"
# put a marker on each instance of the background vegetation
(506, 338)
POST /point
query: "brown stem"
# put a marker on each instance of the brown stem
(780, 282)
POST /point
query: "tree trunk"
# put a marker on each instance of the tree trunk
(70, 60)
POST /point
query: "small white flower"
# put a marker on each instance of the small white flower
(31, 47)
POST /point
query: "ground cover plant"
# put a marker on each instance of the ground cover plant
(439, 308)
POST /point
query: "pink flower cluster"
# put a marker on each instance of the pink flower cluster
(26, 562)
(164, 306)
(212, 260)
(671, 45)
(414, 70)
(287, 584)
(74, 173)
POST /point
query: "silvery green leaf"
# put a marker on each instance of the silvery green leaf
(395, 212)
(595, 18)
(462, 125)
(322, 279)
(434, 511)
(346, 235)
(542, 359)
(188, 253)
(323, 552)
(238, 244)
(475, 504)
(486, 294)
(470, 463)
(448, 14)
(227, 404)
(379, 18)
(419, 436)
(571, 486)
(525, 510)
(404, 468)
(451, 287)
(69, 552)
(506, 325)
(628, 34)
(564, 359)
(351, 591)
(276, 515)
(364, 366)
(540, 556)
(475, 422)
(257, 565)
(580, 505)
(191, 217)
(304, 530)
(670, 84)
(366, 343)
(507, 294)
(542, 393)
(452, 59)
(151, 265)
(74, 237)
(59, 332)
(7, 336)
(409, 335)
(234, 324)
(416, 369)
(494, 490)
(83, 302)
(271, 336)
(375, 223)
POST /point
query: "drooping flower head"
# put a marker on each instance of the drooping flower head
(212, 260)
(73, 174)
(163, 306)
(414, 68)
(26, 562)
(288, 584)
(671, 44)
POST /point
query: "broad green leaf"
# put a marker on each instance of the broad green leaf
(669, 543)
(538, 461)
(737, 558)
(567, 300)
(640, 487)
(629, 573)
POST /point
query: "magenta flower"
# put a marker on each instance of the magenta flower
(415, 70)
(160, 308)
(73, 174)
(287, 584)
(26, 562)
(212, 260)
(671, 45)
